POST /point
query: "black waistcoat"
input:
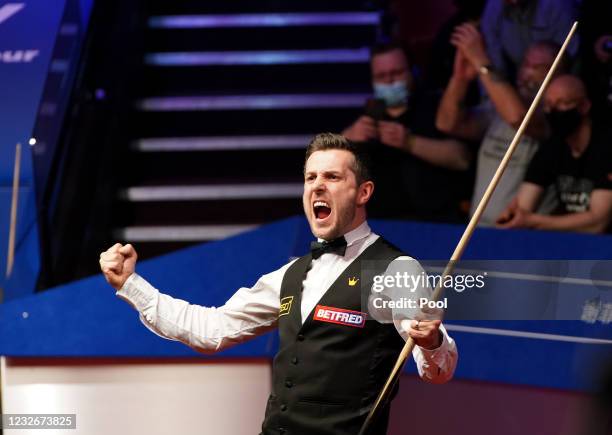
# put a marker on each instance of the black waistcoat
(326, 376)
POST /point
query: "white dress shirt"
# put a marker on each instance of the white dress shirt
(254, 311)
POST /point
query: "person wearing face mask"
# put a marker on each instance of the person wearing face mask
(496, 120)
(417, 169)
(577, 160)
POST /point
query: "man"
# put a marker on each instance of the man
(511, 26)
(577, 160)
(329, 369)
(418, 171)
(496, 127)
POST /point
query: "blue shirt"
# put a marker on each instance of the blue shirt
(510, 30)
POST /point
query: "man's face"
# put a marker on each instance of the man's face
(535, 65)
(331, 193)
(390, 67)
(566, 93)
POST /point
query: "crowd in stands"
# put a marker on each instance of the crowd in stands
(436, 140)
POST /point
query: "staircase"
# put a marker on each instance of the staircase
(230, 95)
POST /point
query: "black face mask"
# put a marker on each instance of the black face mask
(564, 122)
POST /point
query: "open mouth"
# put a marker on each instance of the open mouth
(321, 209)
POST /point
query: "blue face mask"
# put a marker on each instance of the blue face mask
(393, 94)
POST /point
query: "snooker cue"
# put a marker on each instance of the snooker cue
(467, 234)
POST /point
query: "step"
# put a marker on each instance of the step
(194, 7)
(212, 192)
(252, 102)
(269, 57)
(148, 250)
(243, 79)
(247, 122)
(265, 20)
(217, 166)
(236, 211)
(243, 211)
(176, 233)
(259, 38)
(221, 143)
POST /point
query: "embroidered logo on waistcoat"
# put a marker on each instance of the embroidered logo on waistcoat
(340, 316)
(285, 306)
(353, 281)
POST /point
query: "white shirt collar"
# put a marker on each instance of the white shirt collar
(359, 233)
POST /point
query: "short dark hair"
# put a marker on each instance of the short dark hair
(331, 141)
(386, 47)
(553, 48)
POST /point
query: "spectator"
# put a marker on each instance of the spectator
(440, 67)
(495, 126)
(511, 26)
(415, 167)
(577, 159)
(596, 54)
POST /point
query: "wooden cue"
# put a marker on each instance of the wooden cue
(467, 234)
(10, 258)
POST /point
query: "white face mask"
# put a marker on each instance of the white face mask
(393, 94)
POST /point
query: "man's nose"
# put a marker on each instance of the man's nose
(319, 184)
(387, 79)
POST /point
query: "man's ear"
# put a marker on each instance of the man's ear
(365, 191)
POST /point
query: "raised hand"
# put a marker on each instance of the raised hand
(462, 68)
(469, 41)
(426, 333)
(118, 263)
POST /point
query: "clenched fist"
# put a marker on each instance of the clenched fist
(118, 263)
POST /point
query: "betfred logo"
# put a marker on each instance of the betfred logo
(340, 316)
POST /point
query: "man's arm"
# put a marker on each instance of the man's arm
(594, 220)
(435, 365)
(248, 313)
(526, 200)
(452, 117)
(528, 196)
(435, 352)
(503, 95)
(362, 130)
(446, 153)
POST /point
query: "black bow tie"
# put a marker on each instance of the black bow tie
(336, 246)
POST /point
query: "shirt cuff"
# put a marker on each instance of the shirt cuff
(138, 292)
(437, 355)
